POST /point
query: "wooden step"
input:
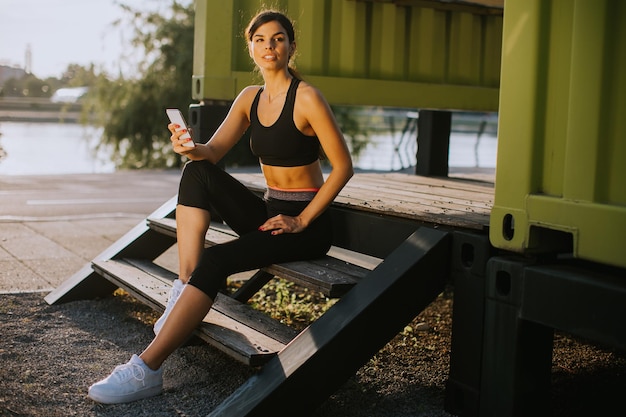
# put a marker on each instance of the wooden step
(237, 329)
(328, 275)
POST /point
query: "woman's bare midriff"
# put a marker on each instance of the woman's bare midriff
(294, 178)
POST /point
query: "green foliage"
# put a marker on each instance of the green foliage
(132, 111)
(355, 133)
(77, 76)
(26, 86)
(294, 306)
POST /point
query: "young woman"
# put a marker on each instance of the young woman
(291, 124)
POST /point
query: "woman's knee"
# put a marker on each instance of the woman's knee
(199, 171)
(210, 274)
(194, 186)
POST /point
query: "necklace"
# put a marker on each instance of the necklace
(271, 99)
(277, 95)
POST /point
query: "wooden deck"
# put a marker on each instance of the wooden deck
(449, 202)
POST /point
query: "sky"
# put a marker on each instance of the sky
(62, 32)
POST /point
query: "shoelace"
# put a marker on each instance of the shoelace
(124, 372)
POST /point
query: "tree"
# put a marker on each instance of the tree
(132, 111)
(26, 86)
(78, 76)
(355, 133)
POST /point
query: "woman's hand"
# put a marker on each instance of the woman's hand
(283, 224)
(177, 142)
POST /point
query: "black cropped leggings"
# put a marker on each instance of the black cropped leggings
(204, 185)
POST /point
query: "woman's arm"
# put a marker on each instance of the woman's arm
(225, 137)
(320, 121)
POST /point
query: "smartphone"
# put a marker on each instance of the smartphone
(176, 117)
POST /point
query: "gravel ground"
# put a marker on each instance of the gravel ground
(51, 354)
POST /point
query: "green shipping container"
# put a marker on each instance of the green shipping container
(412, 54)
(561, 164)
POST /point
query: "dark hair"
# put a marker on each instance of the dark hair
(267, 16)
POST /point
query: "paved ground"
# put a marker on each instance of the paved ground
(51, 226)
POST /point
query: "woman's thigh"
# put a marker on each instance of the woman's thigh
(257, 249)
(206, 186)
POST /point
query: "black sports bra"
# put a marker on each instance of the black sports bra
(282, 144)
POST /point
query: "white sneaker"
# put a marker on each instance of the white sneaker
(177, 288)
(130, 382)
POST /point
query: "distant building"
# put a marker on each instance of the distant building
(7, 72)
(68, 95)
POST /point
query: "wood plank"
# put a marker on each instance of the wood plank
(392, 192)
(355, 258)
(457, 203)
(433, 216)
(146, 287)
(439, 182)
(328, 275)
(461, 190)
(255, 319)
(237, 329)
(227, 306)
(396, 200)
(217, 233)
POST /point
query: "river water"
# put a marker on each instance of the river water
(51, 148)
(57, 148)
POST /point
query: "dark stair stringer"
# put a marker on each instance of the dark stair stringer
(139, 242)
(326, 354)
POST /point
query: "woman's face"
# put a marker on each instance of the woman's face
(270, 47)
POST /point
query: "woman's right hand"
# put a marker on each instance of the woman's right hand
(177, 142)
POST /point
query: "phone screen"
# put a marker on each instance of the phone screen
(176, 117)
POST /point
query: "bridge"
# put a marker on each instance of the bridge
(35, 109)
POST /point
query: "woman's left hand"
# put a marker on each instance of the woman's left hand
(283, 224)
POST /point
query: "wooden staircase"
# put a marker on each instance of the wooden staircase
(234, 327)
(297, 370)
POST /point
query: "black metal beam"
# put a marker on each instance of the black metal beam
(369, 233)
(525, 302)
(335, 346)
(433, 142)
(586, 302)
